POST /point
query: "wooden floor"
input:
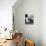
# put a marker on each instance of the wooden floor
(8, 43)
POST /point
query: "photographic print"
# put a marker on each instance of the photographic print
(29, 19)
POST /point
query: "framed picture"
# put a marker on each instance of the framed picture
(29, 19)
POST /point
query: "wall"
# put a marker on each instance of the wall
(6, 13)
(29, 31)
(43, 22)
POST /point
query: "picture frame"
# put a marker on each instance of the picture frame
(29, 19)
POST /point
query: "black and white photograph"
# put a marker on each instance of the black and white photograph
(29, 19)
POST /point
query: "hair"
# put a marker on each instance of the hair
(26, 15)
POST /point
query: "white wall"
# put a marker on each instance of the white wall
(29, 31)
(43, 22)
(6, 13)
